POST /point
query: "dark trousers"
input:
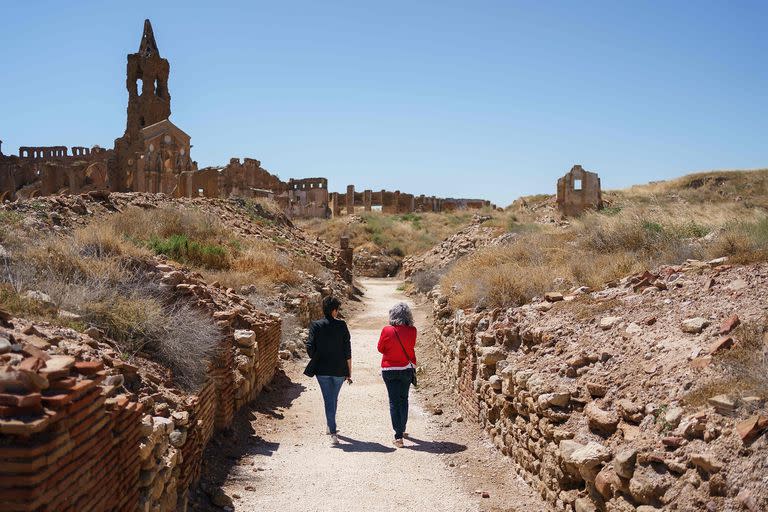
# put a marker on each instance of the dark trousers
(398, 383)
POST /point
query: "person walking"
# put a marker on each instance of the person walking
(397, 345)
(330, 352)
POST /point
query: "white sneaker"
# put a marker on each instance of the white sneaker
(398, 443)
(334, 440)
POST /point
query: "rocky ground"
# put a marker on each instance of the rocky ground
(649, 393)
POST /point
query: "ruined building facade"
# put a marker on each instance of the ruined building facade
(578, 190)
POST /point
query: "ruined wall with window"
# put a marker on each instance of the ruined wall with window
(308, 197)
(578, 190)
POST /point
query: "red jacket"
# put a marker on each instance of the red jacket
(391, 353)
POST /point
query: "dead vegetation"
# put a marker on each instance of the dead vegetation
(643, 227)
(395, 235)
(740, 372)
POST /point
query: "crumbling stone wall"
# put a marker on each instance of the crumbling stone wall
(50, 170)
(397, 202)
(578, 190)
(84, 430)
(594, 412)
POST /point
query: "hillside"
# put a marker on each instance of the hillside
(381, 241)
(619, 358)
(701, 216)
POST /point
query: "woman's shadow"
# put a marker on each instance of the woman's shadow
(355, 446)
(420, 445)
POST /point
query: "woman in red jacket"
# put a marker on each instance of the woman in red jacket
(398, 364)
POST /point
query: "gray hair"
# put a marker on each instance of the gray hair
(400, 314)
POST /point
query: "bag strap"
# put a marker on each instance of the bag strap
(402, 346)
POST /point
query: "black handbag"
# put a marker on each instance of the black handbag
(414, 381)
(309, 371)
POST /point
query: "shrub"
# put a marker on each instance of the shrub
(189, 343)
(180, 248)
(743, 242)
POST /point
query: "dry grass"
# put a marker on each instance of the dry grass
(644, 227)
(707, 187)
(585, 308)
(739, 372)
(100, 276)
(396, 235)
(198, 239)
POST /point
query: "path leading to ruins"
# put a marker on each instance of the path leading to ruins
(281, 460)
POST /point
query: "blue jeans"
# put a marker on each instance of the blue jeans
(330, 387)
(398, 383)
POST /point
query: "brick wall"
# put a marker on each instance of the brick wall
(70, 442)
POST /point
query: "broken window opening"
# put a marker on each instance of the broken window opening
(576, 184)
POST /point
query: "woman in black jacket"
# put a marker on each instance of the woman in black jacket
(330, 352)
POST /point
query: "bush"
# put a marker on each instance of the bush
(180, 248)
(101, 276)
(743, 242)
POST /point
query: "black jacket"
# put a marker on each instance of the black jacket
(329, 347)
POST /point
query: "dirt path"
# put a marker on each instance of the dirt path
(281, 459)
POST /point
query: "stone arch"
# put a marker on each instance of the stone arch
(96, 175)
(4, 195)
(34, 193)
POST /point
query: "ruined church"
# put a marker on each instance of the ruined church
(154, 155)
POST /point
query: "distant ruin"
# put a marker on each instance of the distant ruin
(396, 202)
(577, 191)
(154, 155)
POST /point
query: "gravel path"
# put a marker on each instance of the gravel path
(283, 461)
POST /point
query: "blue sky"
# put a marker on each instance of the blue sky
(490, 99)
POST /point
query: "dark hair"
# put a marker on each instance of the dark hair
(329, 304)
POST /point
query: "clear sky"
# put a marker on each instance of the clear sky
(489, 99)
